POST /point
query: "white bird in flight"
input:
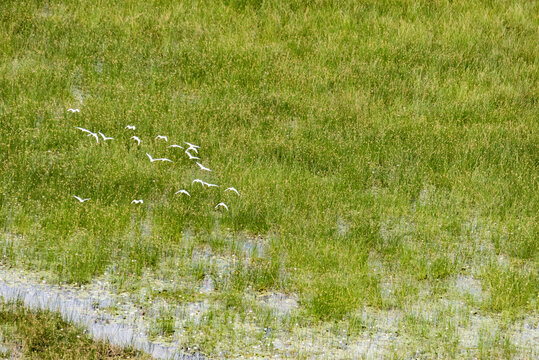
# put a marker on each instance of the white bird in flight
(161, 137)
(222, 205)
(136, 138)
(80, 199)
(202, 167)
(137, 202)
(85, 130)
(73, 110)
(198, 181)
(131, 127)
(203, 183)
(160, 159)
(233, 189)
(89, 133)
(96, 137)
(192, 147)
(191, 157)
(182, 191)
(175, 146)
(104, 137)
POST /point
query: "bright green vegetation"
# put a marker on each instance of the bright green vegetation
(25, 334)
(382, 149)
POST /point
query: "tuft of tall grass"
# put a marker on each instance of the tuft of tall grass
(510, 289)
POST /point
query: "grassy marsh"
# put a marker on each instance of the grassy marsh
(384, 151)
(25, 334)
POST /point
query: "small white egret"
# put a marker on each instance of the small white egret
(182, 191)
(136, 138)
(175, 146)
(161, 137)
(160, 159)
(80, 199)
(94, 135)
(222, 205)
(131, 127)
(210, 185)
(104, 137)
(191, 157)
(137, 201)
(85, 130)
(73, 110)
(202, 167)
(198, 181)
(192, 145)
(89, 133)
(234, 190)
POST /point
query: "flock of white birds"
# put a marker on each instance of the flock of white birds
(191, 148)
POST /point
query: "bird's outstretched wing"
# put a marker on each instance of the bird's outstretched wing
(85, 130)
(202, 167)
(182, 191)
(222, 205)
(191, 157)
(105, 138)
(233, 189)
(192, 145)
(95, 136)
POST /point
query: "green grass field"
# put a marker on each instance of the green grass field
(382, 149)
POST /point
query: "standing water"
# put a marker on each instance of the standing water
(81, 307)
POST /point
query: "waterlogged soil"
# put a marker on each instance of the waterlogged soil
(419, 331)
(171, 316)
(86, 306)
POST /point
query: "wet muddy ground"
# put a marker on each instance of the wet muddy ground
(123, 319)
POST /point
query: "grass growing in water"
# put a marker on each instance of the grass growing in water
(378, 144)
(42, 335)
